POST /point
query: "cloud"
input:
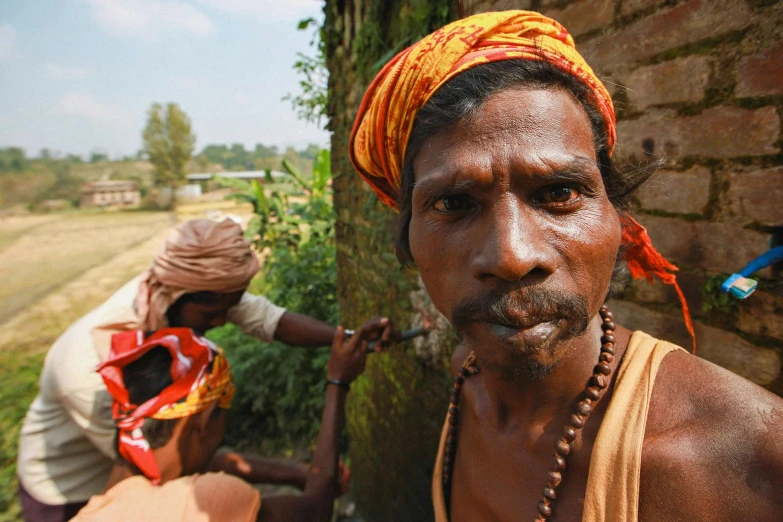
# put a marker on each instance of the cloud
(150, 19)
(267, 10)
(87, 107)
(64, 72)
(8, 50)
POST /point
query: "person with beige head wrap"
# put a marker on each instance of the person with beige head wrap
(198, 281)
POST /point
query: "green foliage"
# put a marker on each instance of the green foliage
(280, 389)
(168, 143)
(715, 299)
(310, 104)
(263, 157)
(12, 159)
(19, 375)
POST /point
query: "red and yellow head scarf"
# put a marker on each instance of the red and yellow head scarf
(386, 115)
(200, 374)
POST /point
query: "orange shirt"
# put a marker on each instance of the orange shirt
(212, 497)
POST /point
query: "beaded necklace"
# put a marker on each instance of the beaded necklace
(593, 392)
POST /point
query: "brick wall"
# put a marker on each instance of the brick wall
(701, 82)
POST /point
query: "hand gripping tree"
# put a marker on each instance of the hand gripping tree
(169, 143)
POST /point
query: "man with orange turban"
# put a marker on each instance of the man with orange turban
(197, 281)
(493, 138)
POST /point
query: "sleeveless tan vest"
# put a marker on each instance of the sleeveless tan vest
(613, 485)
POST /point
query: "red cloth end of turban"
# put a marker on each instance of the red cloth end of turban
(644, 261)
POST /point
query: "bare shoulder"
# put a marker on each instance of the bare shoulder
(712, 449)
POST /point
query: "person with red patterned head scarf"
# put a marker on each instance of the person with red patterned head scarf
(198, 280)
(170, 392)
(493, 139)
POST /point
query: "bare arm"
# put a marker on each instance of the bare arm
(258, 470)
(346, 362)
(301, 330)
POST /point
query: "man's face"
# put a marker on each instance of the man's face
(511, 226)
(202, 311)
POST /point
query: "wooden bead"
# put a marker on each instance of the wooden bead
(608, 348)
(584, 408)
(563, 447)
(593, 393)
(558, 463)
(603, 368)
(455, 397)
(550, 493)
(569, 434)
(453, 421)
(577, 421)
(606, 357)
(554, 479)
(606, 314)
(607, 338)
(609, 325)
(452, 431)
(464, 372)
(454, 411)
(545, 510)
(459, 379)
(598, 381)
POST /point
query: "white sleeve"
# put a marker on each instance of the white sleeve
(256, 316)
(89, 406)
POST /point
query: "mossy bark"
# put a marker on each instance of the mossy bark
(396, 410)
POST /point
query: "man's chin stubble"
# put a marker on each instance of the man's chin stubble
(515, 363)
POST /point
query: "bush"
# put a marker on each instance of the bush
(280, 389)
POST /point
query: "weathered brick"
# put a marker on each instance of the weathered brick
(675, 81)
(758, 195)
(761, 74)
(631, 6)
(667, 29)
(762, 314)
(677, 192)
(481, 6)
(717, 247)
(584, 16)
(719, 132)
(660, 293)
(755, 363)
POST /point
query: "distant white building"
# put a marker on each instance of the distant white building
(110, 194)
(247, 175)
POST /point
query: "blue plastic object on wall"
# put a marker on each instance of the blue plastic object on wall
(741, 285)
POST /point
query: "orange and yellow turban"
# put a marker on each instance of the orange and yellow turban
(386, 115)
(200, 374)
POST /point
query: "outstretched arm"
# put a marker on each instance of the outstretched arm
(346, 362)
(301, 330)
(258, 470)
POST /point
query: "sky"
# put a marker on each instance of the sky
(78, 76)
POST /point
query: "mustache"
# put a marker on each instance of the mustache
(512, 305)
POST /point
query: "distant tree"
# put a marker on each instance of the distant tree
(45, 154)
(168, 143)
(73, 158)
(96, 156)
(311, 152)
(262, 151)
(13, 159)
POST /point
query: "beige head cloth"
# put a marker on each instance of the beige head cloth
(198, 255)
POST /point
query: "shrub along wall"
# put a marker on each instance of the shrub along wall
(701, 82)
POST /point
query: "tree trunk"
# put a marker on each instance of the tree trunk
(396, 410)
